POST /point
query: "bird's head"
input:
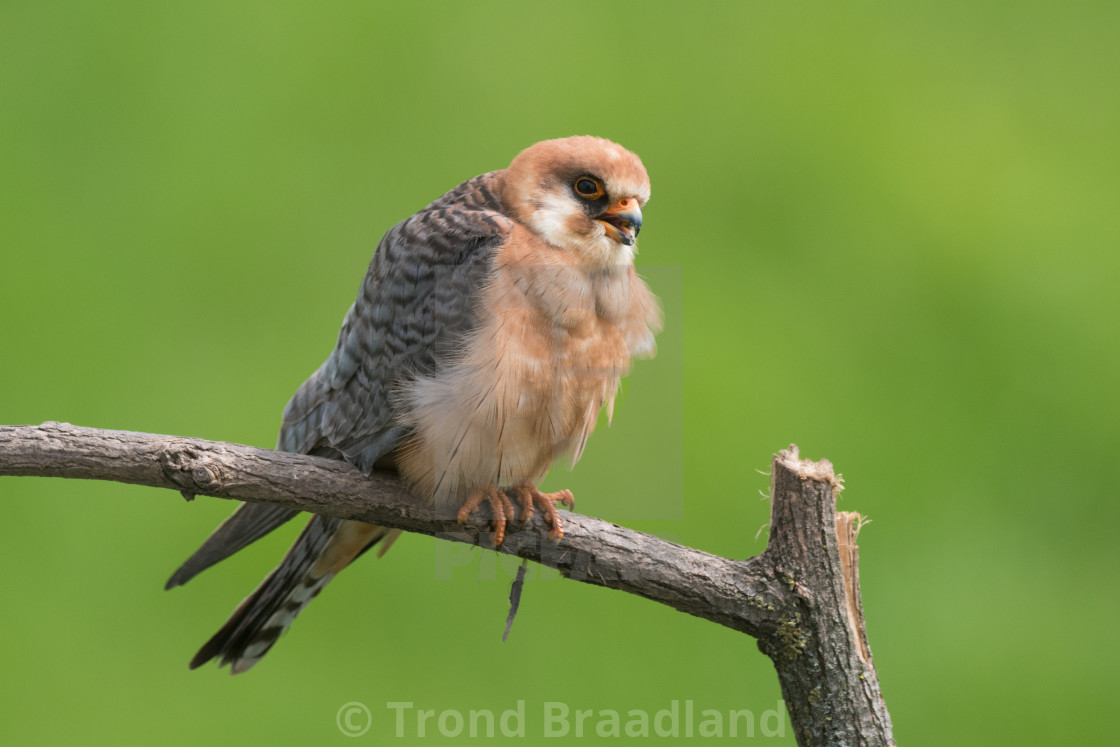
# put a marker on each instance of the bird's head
(581, 193)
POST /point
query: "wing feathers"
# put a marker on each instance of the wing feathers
(415, 305)
(246, 525)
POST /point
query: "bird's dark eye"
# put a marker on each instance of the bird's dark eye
(588, 187)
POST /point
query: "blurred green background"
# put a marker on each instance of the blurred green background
(887, 232)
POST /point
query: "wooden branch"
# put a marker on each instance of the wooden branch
(800, 598)
(822, 656)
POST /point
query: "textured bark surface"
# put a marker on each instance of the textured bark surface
(800, 598)
(821, 652)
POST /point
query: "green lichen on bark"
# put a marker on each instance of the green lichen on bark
(792, 639)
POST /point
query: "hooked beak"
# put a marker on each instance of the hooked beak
(623, 220)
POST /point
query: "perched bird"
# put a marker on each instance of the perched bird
(490, 330)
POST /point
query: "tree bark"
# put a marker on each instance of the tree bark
(800, 598)
(821, 652)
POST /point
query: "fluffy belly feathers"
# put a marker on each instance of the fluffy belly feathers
(526, 389)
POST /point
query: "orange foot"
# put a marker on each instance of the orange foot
(500, 506)
(528, 496)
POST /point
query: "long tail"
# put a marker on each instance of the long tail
(325, 547)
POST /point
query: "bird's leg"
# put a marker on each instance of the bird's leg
(500, 506)
(529, 496)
